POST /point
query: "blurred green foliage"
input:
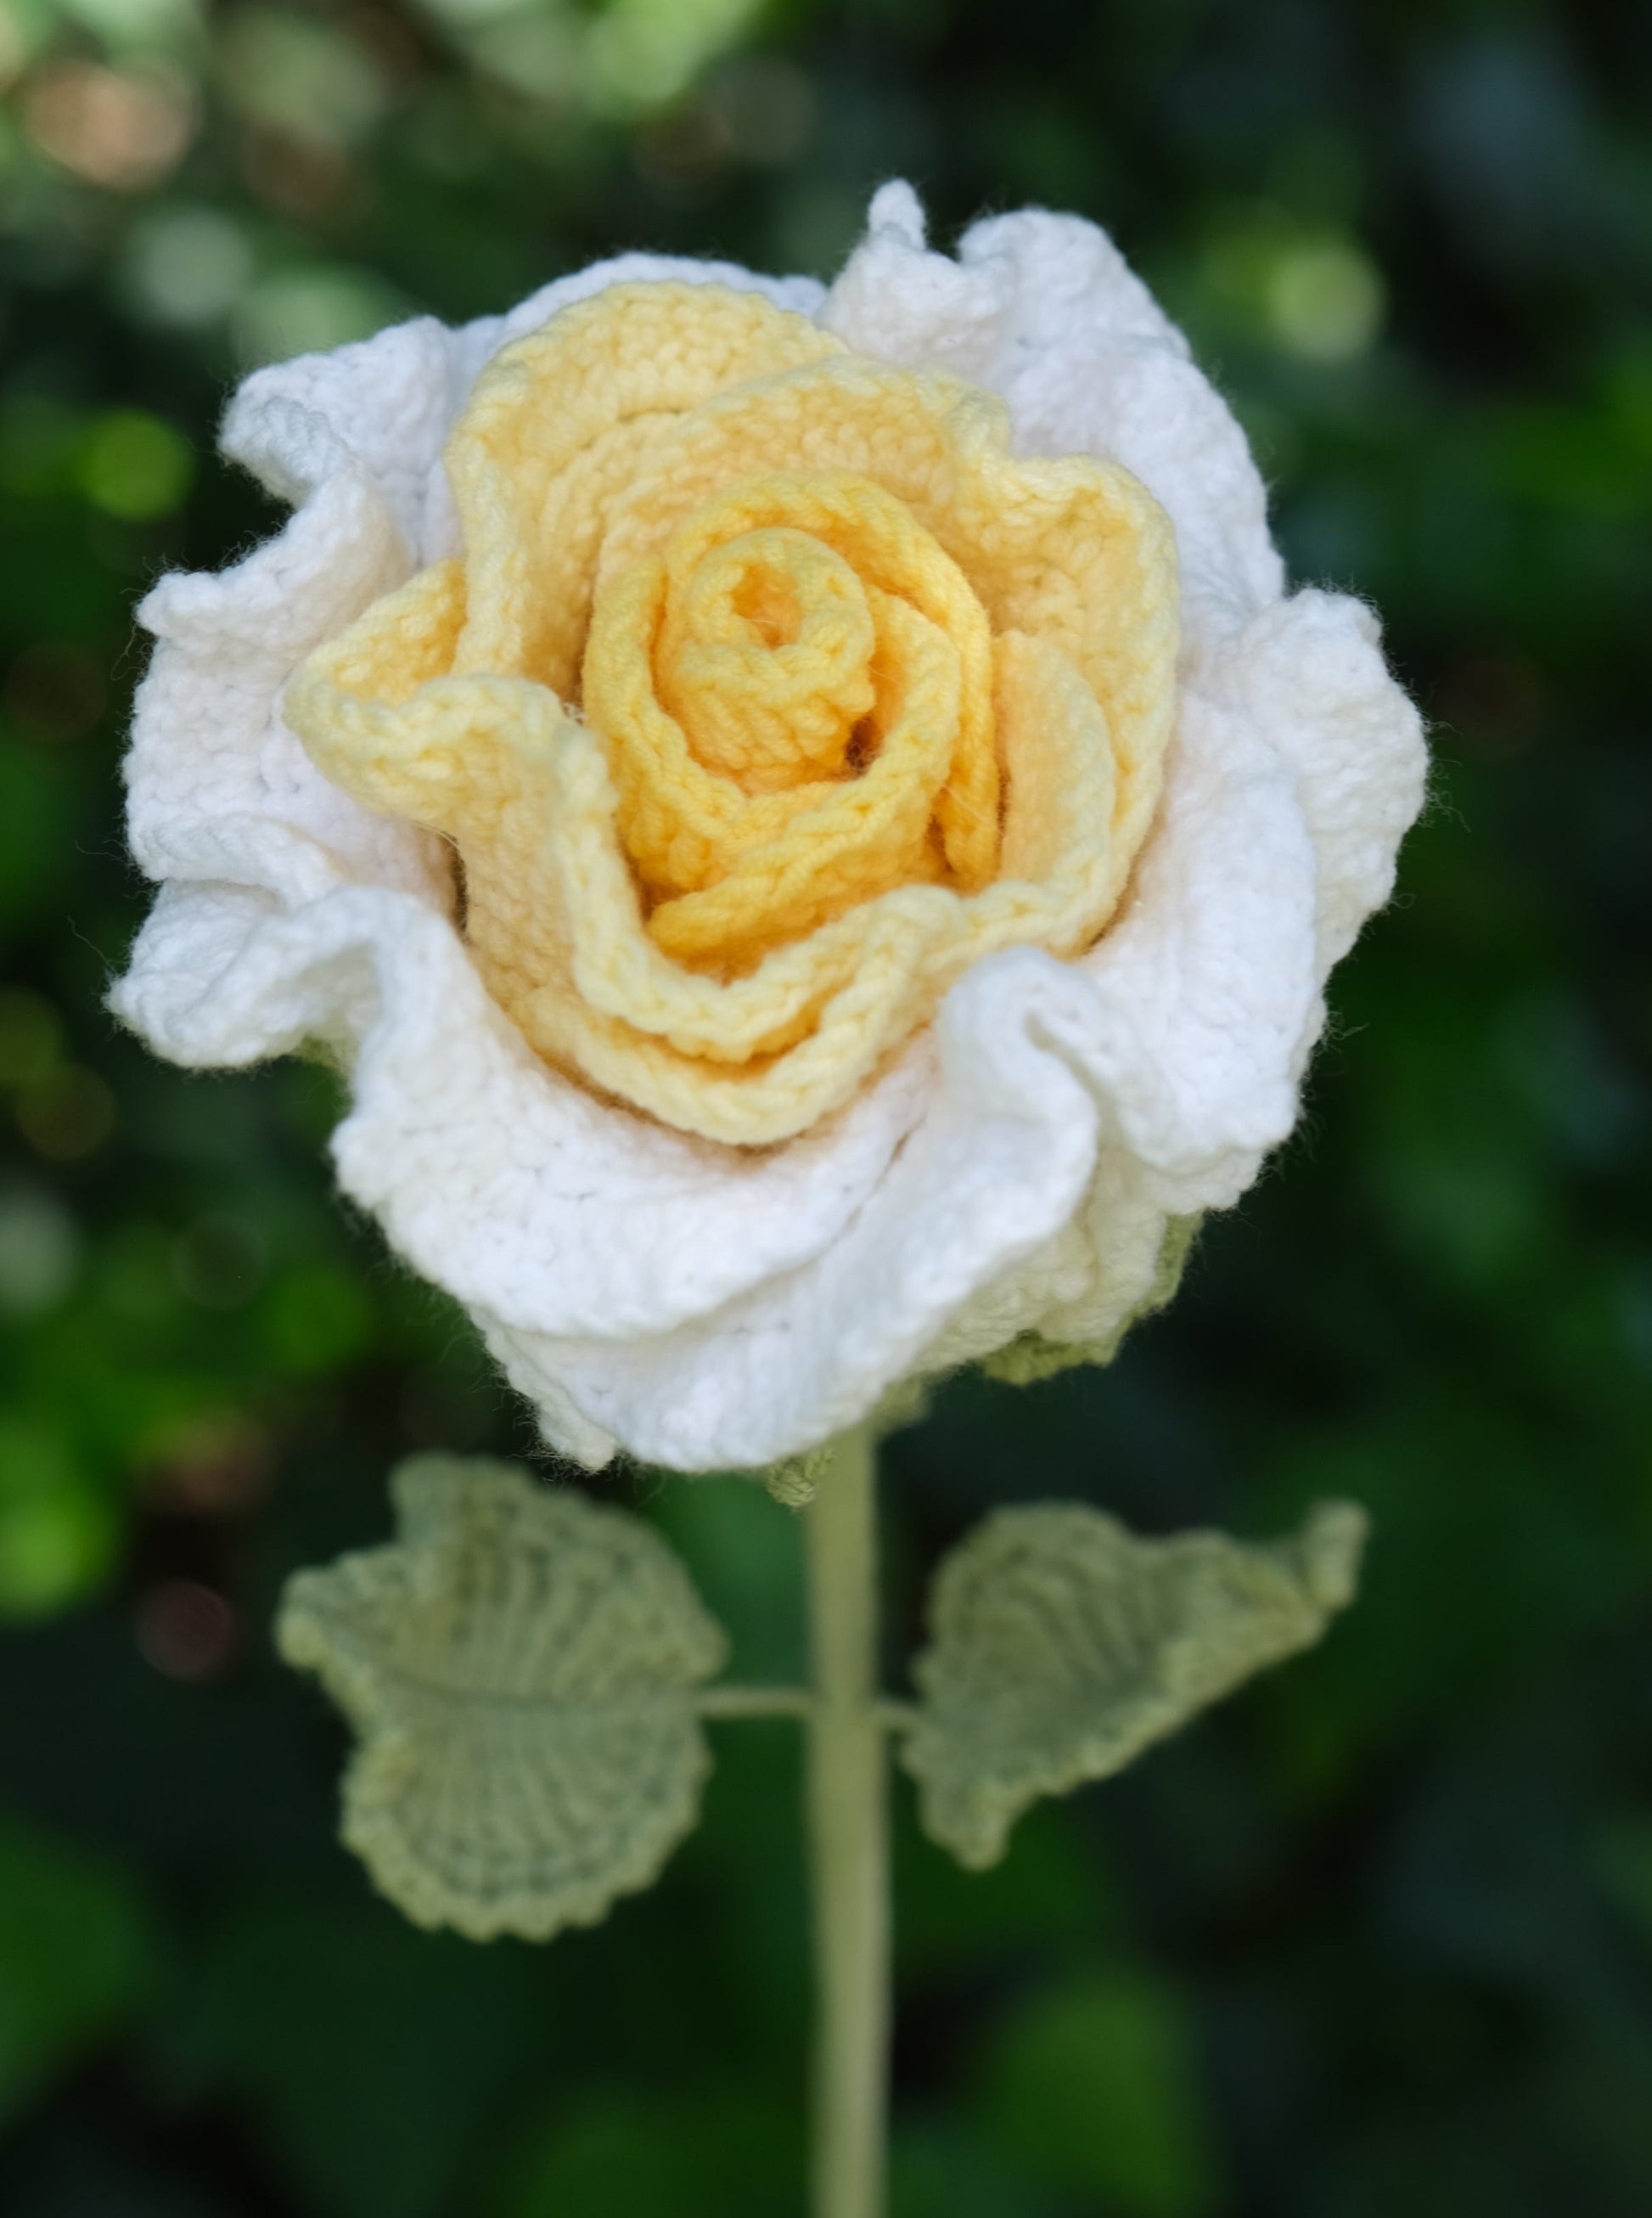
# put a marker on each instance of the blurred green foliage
(1376, 1937)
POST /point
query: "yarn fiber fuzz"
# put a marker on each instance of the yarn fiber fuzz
(1011, 1169)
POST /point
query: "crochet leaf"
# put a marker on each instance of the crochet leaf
(519, 1666)
(1062, 1646)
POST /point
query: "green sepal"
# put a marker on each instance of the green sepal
(1063, 1645)
(794, 1479)
(519, 1667)
(1029, 1358)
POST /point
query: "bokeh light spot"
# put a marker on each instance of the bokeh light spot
(307, 310)
(303, 75)
(39, 1252)
(134, 467)
(15, 44)
(641, 55)
(124, 129)
(66, 1115)
(184, 1630)
(188, 266)
(766, 104)
(219, 1464)
(31, 1035)
(1325, 302)
(137, 22)
(317, 1319)
(58, 1531)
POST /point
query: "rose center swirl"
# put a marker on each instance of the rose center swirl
(764, 659)
(794, 693)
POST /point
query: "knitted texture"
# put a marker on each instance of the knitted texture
(1015, 1126)
(520, 1666)
(748, 762)
(1063, 1645)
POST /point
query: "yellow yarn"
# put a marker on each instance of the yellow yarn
(770, 693)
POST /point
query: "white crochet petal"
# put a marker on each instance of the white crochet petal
(1045, 310)
(1336, 775)
(1016, 1165)
(480, 340)
(383, 404)
(218, 786)
(388, 403)
(998, 1161)
(1309, 672)
(474, 344)
(504, 1182)
(1083, 1284)
(1154, 1076)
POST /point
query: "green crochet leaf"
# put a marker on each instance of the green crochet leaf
(519, 1666)
(1063, 1645)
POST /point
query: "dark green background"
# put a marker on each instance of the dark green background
(1377, 1938)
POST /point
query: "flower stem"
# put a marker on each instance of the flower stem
(738, 1701)
(849, 1830)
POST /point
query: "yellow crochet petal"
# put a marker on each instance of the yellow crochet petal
(803, 1032)
(1076, 550)
(557, 928)
(882, 543)
(556, 427)
(1078, 553)
(685, 822)
(867, 835)
(751, 440)
(882, 653)
(764, 656)
(470, 757)
(771, 692)
(1061, 778)
(342, 705)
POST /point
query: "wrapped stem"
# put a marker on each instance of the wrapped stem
(848, 1831)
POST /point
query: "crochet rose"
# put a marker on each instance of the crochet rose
(769, 692)
(809, 816)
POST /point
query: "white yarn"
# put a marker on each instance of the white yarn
(1014, 1169)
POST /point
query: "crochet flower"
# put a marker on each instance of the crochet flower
(769, 692)
(809, 816)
